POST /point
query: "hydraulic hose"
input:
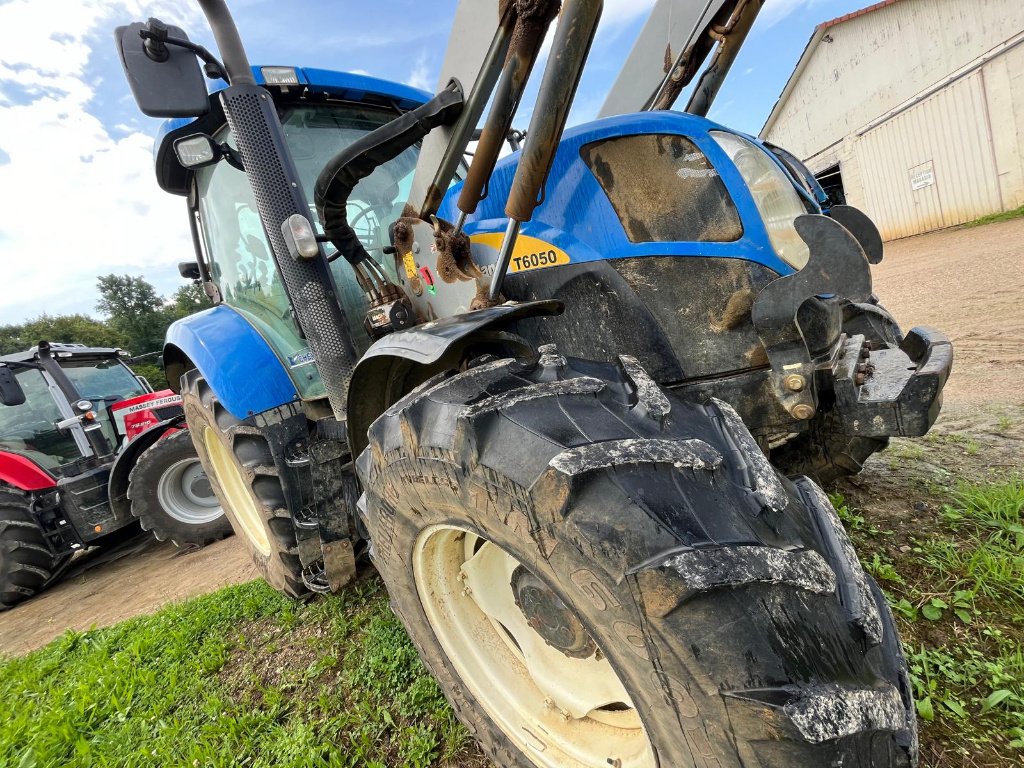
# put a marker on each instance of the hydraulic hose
(363, 156)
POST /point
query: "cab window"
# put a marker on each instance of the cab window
(663, 189)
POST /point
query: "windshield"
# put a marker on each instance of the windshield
(240, 257)
(104, 383)
(30, 428)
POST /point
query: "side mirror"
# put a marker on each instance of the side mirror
(11, 392)
(166, 79)
(190, 270)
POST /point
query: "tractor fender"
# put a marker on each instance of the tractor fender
(23, 473)
(418, 353)
(117, 485)
(233, 357)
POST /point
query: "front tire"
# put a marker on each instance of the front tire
(26, 563)
(240, 465)
(598, 573)
(172, 497)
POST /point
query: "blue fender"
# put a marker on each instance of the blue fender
(236, 361)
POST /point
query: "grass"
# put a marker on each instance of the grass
(995, 217)
(239, 677)
(959, 599)
(246, 677)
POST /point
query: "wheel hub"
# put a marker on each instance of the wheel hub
(550, 617)
(185, 494)
(525, 654)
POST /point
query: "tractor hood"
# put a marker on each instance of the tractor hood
(312, 84)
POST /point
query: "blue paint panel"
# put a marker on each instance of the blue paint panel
(235, 360)
(577, 216)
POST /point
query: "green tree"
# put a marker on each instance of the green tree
(135, 310)
(77, 329)
(188, 299)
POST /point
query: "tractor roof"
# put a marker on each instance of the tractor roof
(173, 178)
(60, 349)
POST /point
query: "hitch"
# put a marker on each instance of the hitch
(836, 265)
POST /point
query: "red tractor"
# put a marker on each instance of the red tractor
(86, 449)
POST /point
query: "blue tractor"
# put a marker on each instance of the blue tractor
(566, 402)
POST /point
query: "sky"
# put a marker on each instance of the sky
(79, 195)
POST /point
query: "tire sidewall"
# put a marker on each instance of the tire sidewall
(200, 418)
(144, 480)
(607, 610)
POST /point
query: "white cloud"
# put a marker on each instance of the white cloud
(776, 10)
(79, 200)
(421, 76)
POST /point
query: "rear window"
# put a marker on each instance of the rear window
(663, 189)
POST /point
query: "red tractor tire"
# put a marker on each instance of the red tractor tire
(171, 496)
(26, 563)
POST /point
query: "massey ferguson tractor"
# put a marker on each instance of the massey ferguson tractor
(87, 448)
(568, 401)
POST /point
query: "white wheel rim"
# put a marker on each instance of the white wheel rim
(559, 710)
(184, 493)
(236, 493)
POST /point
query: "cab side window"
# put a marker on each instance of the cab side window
(663, 189)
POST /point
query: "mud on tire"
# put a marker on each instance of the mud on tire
(162, 464)
(240, 466)
(26, 563)
(727, 600)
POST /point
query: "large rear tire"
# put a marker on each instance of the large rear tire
(598, 573)
(172, 497)
(240, 466)
(26, 563)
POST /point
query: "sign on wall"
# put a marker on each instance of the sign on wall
(922, 176)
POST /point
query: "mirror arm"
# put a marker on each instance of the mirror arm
(214, 69)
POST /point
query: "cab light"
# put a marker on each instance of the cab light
(280, 75)
(196, 151)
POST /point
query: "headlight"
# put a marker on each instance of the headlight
(776, 200)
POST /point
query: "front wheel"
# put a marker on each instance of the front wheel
(600, 574)
(239, 462)
(171, 495)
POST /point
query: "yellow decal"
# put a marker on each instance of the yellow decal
(528, 253)
(410, 265)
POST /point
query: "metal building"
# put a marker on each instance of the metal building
(912, 110)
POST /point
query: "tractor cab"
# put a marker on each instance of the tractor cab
(321, 112)
(69, 416)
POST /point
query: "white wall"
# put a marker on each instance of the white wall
(881, 59)
(962, 143)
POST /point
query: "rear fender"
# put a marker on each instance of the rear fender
(117, 485)
(236, 361)
(21, 472)
(399, 361)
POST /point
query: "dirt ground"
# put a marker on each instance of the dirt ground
(107, 587)
(969, 283)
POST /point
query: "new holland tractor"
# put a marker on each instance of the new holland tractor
(87, 448)
(565, 401)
